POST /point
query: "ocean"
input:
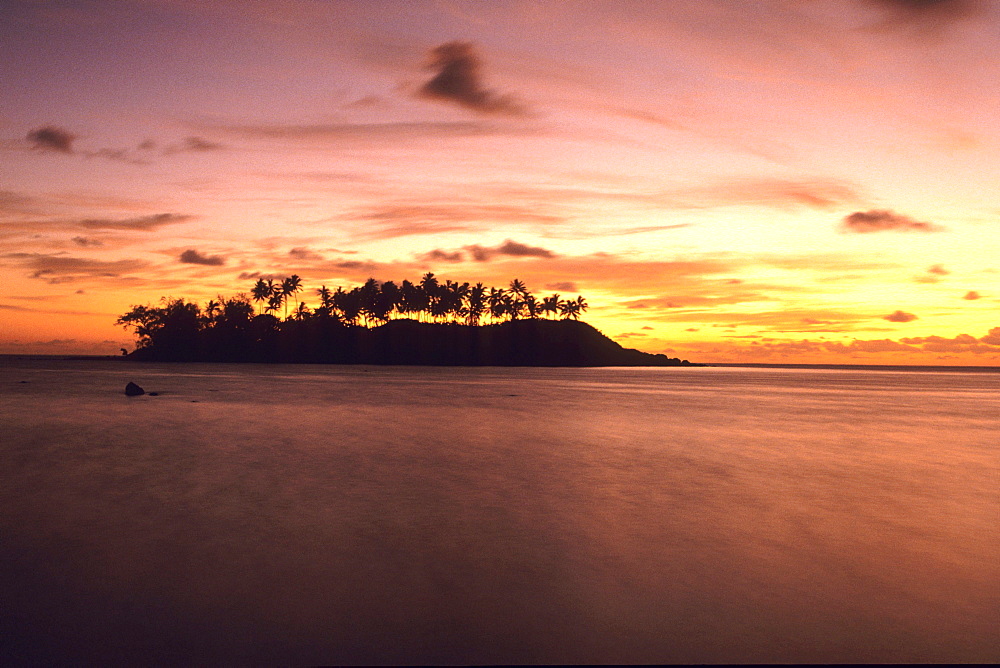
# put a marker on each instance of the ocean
(322, 514)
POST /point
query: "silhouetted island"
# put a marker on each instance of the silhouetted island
(380, 323)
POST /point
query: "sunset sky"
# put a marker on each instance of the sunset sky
(723, 180)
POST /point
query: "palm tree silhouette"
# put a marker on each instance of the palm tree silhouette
(552, 304)
(261, 291)
(289, 287)
(325, 302)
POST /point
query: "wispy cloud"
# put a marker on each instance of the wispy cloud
(407, 219)
(458, 80)
(884, 220)
(388, 131)
(141, 223)
(64, 268)
(196, 144)
(771, 192)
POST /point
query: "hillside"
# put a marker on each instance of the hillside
(405, 342)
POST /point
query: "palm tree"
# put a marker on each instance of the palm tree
(325, 301)
(573, 308)
(275, 301)
(552, 304)
(289, 287)
(475, 303)
(496, 303)
(212, 309)
(532, 306)
(261, 291)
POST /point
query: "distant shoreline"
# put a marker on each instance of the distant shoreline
(6, 357)
(866, 367)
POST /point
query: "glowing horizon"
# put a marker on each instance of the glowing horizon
(768, 181)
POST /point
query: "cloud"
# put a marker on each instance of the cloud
(509, 248)
(869, 346)
(992, 338)
(406, 219)
(391, 132)
(192, 256)
(564, 286)
(51, 138)
(438, 255)
(899, 316)
(929, 11)
(302, 253)
(65, 268)
(883, 220)
(200, 144)
(141, 223)
(458, 80)
(972, 295)
(773, 192)
(516, 249)
(933, 274)
(87, 242)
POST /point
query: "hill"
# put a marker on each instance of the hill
(529, 342)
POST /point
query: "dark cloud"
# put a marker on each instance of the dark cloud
(142, 223)
(516, 249)
(51, 138)
(938, 270)
(458, 80)
(564, 286)
(438, 255)
(254, 275)
(192, 256)
(508, 248)
(899, 316)
(302, 253)
(884, 220)
(87, 242)
(477, 253)
(972, 295)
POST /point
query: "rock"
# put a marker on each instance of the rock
(133, 390)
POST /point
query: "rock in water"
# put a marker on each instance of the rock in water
(134, 390)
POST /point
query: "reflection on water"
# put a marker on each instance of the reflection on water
(346, 514)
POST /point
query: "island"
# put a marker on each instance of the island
(422, 323)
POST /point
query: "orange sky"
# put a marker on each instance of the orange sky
(745, 181)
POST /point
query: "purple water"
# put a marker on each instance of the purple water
(309, 514)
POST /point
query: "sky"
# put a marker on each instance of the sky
(777, 181)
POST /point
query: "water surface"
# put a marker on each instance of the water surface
(310, 514)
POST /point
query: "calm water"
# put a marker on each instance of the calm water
(307, 514)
